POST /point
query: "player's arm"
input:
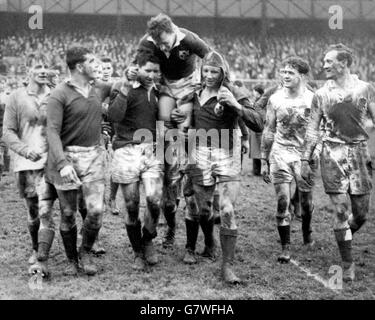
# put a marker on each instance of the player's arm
(198, 46)
(55, 115)
(11, 131)
(269, 131)
(118, 105)
(313, 134)
(371, 104)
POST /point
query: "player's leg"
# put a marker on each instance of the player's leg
(93, 194)
(204, 196)
(113, 187)
(186, 108)
(343, 233)
(307, 209)
(26, 181)
(283, 219)
(360, 209)
(68, 228)
(47, 196)
(171, 188)
(133, 223)
(228, 192)
(154, 192)
(191, 220)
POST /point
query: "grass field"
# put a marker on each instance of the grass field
(171, 279)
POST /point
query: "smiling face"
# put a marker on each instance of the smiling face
(107, 71)
(291, 78)
(90, 67)
(332, 66)
(38, 72)
(212, 76)
(148, 73)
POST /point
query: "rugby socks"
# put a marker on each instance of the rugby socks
(284, 233)
(344, 242)
(69, 239)
(192, 229)
(33, 227)
(306, 225)
(170, 217)
(45, 239)
(207, 226)
(135, 235)
(228, 239)
(88, 237)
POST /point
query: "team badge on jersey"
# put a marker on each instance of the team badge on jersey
(183, 54)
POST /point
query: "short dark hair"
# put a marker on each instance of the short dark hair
(297, 63)
(343, 53)
(158, 24)
(142, 58)
(106, 60)
(76, 55)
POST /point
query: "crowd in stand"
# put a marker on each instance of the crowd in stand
(243, 53)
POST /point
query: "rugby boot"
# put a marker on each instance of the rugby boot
(170, 217)
(192, 229)
(88, 239)
(139, 263)
(228, 239)
(71, 268)
(345, 248)
(97, 247)
(148, 247)
(87, 262)
(69, 239)
(284, 256)
(207, 226)
(348, 271)
(135, 235)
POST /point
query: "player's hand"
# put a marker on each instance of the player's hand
(68, 175)
(306, 172)
(178, 116)
(132, 73)
(245, 145)
(33, 156)
(265, 171)
(106, 128)
(226, 97)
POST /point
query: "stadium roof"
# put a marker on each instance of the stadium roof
(352, 9)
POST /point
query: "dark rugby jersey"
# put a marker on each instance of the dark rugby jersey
(72, 120)
(182, 59)
(137, 110)
(204, 117)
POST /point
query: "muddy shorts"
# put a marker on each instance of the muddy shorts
(89, 164)
(179, 89)
(134, 162)
(32, 183)
(285, 166)
(211, 165)
(346, 168)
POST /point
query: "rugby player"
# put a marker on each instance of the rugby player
(177, 49)
(134, 159)
(24, 132)
(217, 106)
(343, 105)
(287, 116)
(75, 158)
